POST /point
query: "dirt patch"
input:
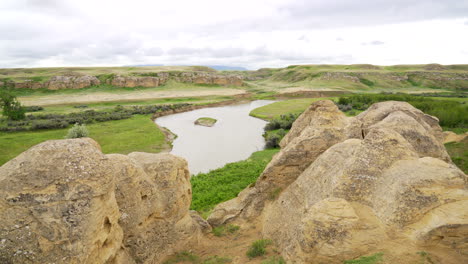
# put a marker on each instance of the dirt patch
(115, 97)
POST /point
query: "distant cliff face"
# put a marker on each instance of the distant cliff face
(63, 201)
(157, 79)
(343, 187)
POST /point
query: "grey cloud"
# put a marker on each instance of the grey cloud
(340, 13)
(339, 39)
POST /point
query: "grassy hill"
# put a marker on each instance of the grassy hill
(366, 77)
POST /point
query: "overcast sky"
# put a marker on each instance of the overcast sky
(248, 33)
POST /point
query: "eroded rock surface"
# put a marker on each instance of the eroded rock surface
(342, 187)
(63, 201)
(159, 78)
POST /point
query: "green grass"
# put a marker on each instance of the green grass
(258, 248)
(183, 257)
(216, 186)
(187, 257)
(294, 106)
(138, 133)
(223, 230)
(458, 151)
(374, 259)
(274, 260)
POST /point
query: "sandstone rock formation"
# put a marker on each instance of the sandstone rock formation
(342, 187)
(450, 136)
(160, 78)
(63, 201)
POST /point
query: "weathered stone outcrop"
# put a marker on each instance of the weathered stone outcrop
(342, 187)
(157, 79)
(63, 201)
(121, 81)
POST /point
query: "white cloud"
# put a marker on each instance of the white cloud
(253, 34)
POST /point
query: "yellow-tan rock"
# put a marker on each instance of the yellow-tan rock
(57, 205)
(63, 201)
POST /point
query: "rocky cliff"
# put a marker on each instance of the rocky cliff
(154, 80)
(344, 187)
(63, 201)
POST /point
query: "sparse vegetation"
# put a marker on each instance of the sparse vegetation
(374, 259)
(258, 248)
(216, 186)
(274, 260)
(188, 257)
(183, 257)
(223, 230)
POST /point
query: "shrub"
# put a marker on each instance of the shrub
(273, 138)
(80, 106)
(77, 131)
(48, 124)
(258, 248)
(33, 108)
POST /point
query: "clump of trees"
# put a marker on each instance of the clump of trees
(11, 108)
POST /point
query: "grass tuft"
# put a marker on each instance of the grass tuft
(373, 259)
(258, 248)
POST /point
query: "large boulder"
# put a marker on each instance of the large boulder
(320, 127)
(342, 187)
(397, 183)
(63, 201)
(57, 205)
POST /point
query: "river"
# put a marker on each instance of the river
(234, 137)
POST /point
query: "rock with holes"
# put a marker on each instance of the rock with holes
(57, 205)
(153, 192)
(64, 201)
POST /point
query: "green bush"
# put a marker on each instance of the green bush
(50, 121)
(77, 131)
(48, 124)
(33, 108)
(258, 248)
(273, 138)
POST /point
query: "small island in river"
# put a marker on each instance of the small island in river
(205, 121)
